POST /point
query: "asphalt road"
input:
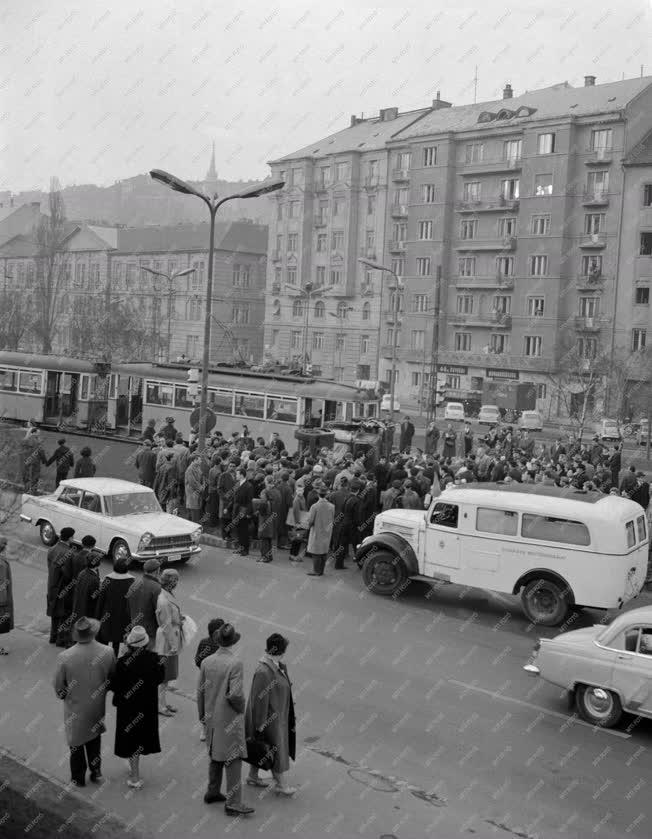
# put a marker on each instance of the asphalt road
(415, 716)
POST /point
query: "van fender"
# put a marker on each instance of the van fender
(391, 542)
(539, 573)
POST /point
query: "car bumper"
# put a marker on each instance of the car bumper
(23, 517)
(531, 669)
(167, 555)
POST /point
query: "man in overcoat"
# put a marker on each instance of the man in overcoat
(64, 459)
(407, 433)
(146, 464)
(221, 705)
(81, 680)
(320, 529)
(57, 558)
(142, 597)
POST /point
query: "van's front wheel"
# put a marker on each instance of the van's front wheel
(545, 602)
(384, 573)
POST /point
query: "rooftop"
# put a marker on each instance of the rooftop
(245, 237)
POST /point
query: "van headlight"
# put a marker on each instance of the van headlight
(196, 535)
(145, 540)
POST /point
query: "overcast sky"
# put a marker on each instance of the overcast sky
(94, 92)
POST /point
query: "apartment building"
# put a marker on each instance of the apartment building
(519, 206)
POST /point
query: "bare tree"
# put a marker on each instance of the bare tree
(16, 318)
(109, 332)
(578, 384)
(629, 383)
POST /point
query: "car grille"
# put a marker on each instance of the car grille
(169, 543)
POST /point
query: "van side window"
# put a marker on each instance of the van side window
(444, 515)
(552, 529)
(640, 524)
(504, 522)
(631, 536)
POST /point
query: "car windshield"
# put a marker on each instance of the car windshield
(131, 503)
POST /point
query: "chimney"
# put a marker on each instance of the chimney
(439, 103)
(589, 81)
(388, 114)
(508, 93)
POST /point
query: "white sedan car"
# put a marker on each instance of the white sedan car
(489, 415)
(454, 411)
(125, 518)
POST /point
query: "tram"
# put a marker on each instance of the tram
(121, 398)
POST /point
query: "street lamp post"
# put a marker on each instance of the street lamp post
(213, 205)
(170, 295)
(376, 266)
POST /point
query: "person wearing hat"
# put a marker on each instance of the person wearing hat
(407, 433)
(142, 597)
(87, 587)
(221, 705)
(33, 456)
(641, 492)
(138, 673)
(243, 510)
(320, 529)
(6, 594)
(351, 522)
(64, 459)
(169, 635)
(169, 431)
(145, 463)
(76, 561)
(81, 679)
(57, 560)
(165, 482)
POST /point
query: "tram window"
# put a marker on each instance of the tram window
(8, 380)
(29, 382)
(249, 405)
(220, 401)
(553, 529)
(181, 399)
(158, 394)
(640, 523)
(504, 522)
(282, 410)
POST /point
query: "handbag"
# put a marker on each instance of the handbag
(260, 754)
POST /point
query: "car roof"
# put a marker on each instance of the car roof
(493, 407)
(524, 413)
(641, 615)
(105, 486)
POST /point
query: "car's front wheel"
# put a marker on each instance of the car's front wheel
(120, 550)
(598, 706)
(48, 534)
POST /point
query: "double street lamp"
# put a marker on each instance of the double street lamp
(170, 295)
(213, 205)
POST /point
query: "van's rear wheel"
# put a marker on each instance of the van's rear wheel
(598, 706)
(384, 573)
(545, 602)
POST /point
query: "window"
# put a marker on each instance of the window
(453, 382)
(423, 266)
(192, 346)
(293, 209)
(320, 275)
(318, 340)
(279, 243)
(589, 307)
(91, 502)
(415, 379)
(342, 311)
(340, 342)
(241, 274)
(424, 230)
(320, 310)
(399, 231)
(535, 307)
(587, 347)
(322, 212)
(172, 266)
(463, 341)
(504, 522)
(31, 272)
(507, 227)
(93, 275)
(373, 169)
(279, 212)
(541, 391)
(341, 172)
(468, 229)
(597, 183)
(194, 309)
(541, 225)
(80, 275)
(292, 276)
(594, 223)
(293, 240)
(29, 382)
(643, 296)
(390, 337)
(545, 143)
(502, 304)
(282, 409)
(338, 205)
(401, 196)
(505, 266)
(398, 266)
(278, 276)
(646, 243)
(338, 240)
(538, 266)
(417, 339)
(71, 495)
(464, 304)
(647, 195)
(159, 394)
(370, 240)
(430, 156)
(591, 266)
(371, 204)
(396, 302)
(466, 266)
(509, 189)
(551, 529)
(296, 177)
(9, 380)
(533, 345)
(602, 139)
(240, 313)
(444, 515)
(364, 344)
(420, 303)
(404, 160)
(297, 308)
(543, 184)
(337, 276)
(639, 337)
(471, 191)
(428, 194)
(197, 278)
(499, 343)
(249, 405)
(321, 243)
(640, 526)
(295, 340)
(512, 149)
(324, 177)
(366, 311)
(474, 152)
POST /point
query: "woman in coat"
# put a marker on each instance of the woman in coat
(450, 438)
(267, 519)
(85, 467)
(169, 639)
(6, 595)
(138, 674)
(113, 606)
(194, 485)
(269, 715)
(297, 519)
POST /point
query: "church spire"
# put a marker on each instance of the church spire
(211, 175)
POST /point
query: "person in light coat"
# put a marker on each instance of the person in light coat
(169, 635)
(320, 530)
(194, 487)
(221, 705)
(81, 680)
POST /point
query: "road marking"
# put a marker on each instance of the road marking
(495, 695)
(246, 615)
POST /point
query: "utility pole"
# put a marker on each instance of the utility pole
(432, 396)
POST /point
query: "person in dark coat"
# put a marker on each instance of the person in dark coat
(351, 522)
(615, 463)
(407, 433)
(169, 432)
(628, 482)
(85, 467)
(138, 673)
(150, 430)
(165, 483)
(432, 438)
(146, 464)
(287, 497)
(641, 494)
(243, 510)
(33, 456)
(6, 595)
(142, 597)
(270, 715)
(76, 561)
(64, 459)
(468, 440)
(450, 440)
(226, 484)
(57, 559)
(87, 588)
(266, 523)
(368, 506)
(113, 606)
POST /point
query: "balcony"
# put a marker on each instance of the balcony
(501, 320)
(277, 255)
(599, 157)
(498, 204)
(472, 321)
(583, 324)
(485, 281)
(371, 182)
(321, 221)
(499, 164)
(276, 288)
(397, 246)
(400, 174)
(592, 282)
(321, 186)
(508, 243)
(493, 360)
(368, 253)
(595, 198)
(399, 211)
(593, 241)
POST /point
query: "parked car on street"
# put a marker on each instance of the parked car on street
(489, 415)
(124, 517)
(606, 669)
(610, 431)
(454, 411)
(532, 420)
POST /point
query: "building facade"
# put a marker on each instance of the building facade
(520, 207)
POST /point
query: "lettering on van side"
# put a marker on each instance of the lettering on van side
(538, 554)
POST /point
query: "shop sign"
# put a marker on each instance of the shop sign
(452, 369)
(502, 374)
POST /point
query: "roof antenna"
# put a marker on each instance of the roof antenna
(475, 85)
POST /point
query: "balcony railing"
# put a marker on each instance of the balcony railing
(593, 280)
(495, 164)
(595, 198)
(488, 205)
(502, 320)
(368, 253)
(277, 255)
(585, 324)
(397, 246)
(371, 181)
(400, 174)
(598, 157)
(399, 210)
(321, 186)
(321, 221)
(276, 288)
(507, 243)
(480, 320)
(593, 240)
